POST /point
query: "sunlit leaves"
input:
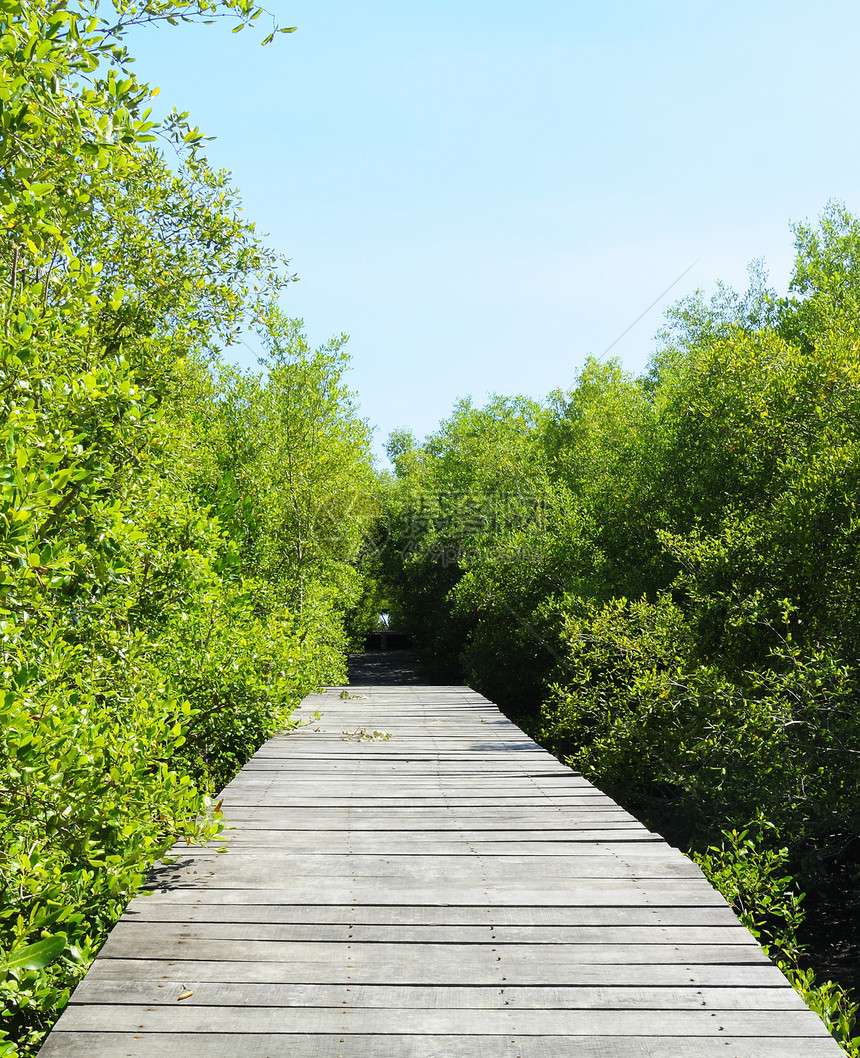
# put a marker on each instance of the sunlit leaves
(141, 664)
(685, 595)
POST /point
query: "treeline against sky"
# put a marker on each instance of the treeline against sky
(660, 576)
(175, 536)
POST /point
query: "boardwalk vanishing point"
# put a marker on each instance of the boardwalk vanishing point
(411, 876)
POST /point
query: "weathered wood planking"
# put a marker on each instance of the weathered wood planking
(450, 891)
(344, 1044)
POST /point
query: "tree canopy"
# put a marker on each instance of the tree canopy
(671, 600)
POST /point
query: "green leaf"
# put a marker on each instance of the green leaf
(39, 955)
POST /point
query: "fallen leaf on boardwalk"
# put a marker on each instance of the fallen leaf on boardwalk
(186, 995)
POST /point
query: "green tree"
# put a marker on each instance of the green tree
(683, 595)
(142, 659)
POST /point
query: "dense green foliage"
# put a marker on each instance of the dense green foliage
(168, 592)
(660, 576)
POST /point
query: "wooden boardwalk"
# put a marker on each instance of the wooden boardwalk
(451, 891)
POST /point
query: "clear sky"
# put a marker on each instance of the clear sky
(481, 193)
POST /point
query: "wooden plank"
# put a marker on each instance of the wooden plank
(491, 959)
(626, 892)
(130, 934)
(432, 830)
(267, 867)
(399, 776)
(335, 844)
(483, 915)
(421, 1021)
(293, 845)
(362, 818)
(554, 827)
(108, 1044)
(671, 976)
(329, 797)
(288, 801)
(398, 997)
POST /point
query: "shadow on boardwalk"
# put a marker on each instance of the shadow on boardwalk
(387, 667)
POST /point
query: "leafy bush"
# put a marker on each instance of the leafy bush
(753, 876)
(146, 650)
(677, 609)
(703, 749)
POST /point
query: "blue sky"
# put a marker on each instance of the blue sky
(483, 193)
